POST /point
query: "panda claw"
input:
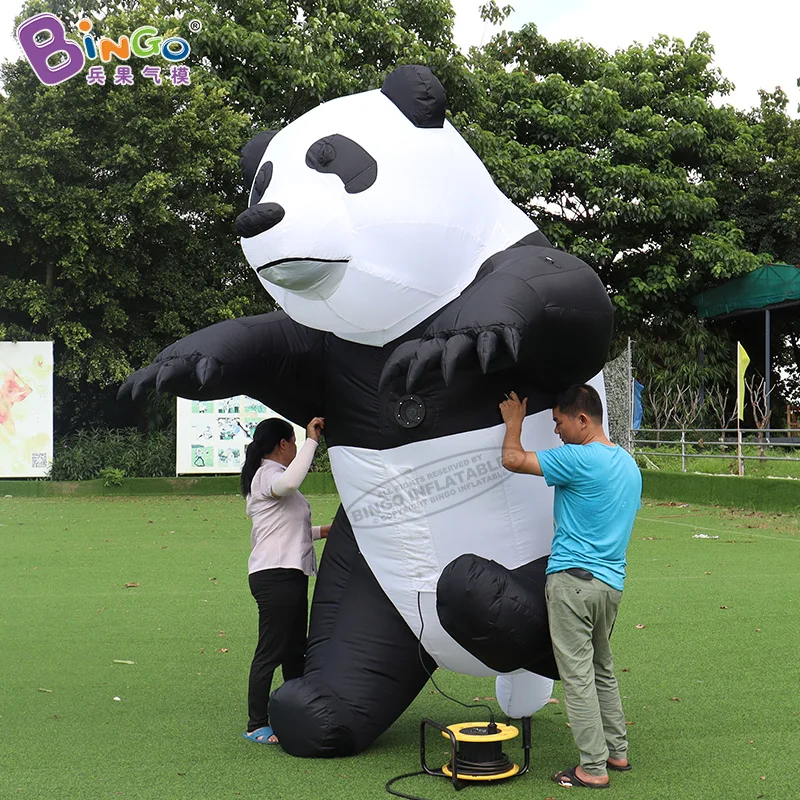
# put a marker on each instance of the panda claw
(415, 369)
(456, 349)
(125, 392)
(208, 372)
(513, 339)
(137, 391)
(390, 371)
(428, 356)
(170, 372)
(137, 384)
(397, 363)
(487, 348)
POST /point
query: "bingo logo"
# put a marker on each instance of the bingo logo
(56, 59)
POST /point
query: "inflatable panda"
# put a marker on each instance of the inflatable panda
(414, 297)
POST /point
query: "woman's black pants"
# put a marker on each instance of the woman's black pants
(282, 599)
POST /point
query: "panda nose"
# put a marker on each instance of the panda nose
(258, 218)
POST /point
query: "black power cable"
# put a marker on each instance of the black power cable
(430, 674)
(491, 728)
(400, 794)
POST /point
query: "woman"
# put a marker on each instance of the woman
(281, 559)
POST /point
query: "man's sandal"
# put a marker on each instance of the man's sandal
(617, 768)
(568, 779)
(260, 735)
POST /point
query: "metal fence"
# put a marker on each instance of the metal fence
(775, 444)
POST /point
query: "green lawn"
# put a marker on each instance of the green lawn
(709, 681)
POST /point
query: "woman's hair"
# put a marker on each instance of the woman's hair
(266, 437)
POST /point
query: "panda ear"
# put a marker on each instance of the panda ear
(252, 153)
(416, 91)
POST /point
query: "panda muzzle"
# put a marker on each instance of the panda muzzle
(315, 278)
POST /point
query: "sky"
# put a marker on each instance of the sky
(754, 50)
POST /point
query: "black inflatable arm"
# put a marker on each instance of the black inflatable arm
(539, 309)
(268, 357)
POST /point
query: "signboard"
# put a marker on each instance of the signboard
(26, 409)
(213, 434)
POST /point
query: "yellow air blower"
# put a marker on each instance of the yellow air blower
(476, 754)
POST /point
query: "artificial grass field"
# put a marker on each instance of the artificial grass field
(709, 682)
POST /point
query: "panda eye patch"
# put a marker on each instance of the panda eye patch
(261, 182)
(341, 156)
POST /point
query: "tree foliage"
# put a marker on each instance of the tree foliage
(618, 158)
(280, 59)
(762, 197)
(117, 207)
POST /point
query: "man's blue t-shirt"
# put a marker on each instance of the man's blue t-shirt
(598, 491)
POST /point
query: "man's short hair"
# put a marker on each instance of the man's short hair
(580, 398)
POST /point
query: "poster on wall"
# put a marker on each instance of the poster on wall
(213, 434)
(26, 409)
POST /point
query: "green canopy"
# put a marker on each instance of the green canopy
(771, 286)
(764, 289)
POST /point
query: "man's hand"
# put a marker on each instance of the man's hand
(514, 410)
(315, 428)
(515, 457)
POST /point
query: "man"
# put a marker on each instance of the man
(597, 494)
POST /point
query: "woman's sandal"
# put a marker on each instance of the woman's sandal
(260, 735)
(568, 779)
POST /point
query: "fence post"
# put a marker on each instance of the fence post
(683, 450)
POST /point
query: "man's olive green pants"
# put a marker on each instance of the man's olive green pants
(582, 614)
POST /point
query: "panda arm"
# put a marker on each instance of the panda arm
(540, 310)
(268, 357)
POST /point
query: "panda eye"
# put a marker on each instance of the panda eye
(341, 156)
(263, 177)
(323, 154)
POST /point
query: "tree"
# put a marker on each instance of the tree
(618, 158)
(280, 59)
(762, 197)
(116, 230)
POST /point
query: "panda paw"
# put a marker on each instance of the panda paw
(494, 347)
(185, 376)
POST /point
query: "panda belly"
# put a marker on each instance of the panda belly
(415, 508)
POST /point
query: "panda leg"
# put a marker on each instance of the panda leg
(522, 693)
(363, 668)
(499, 615)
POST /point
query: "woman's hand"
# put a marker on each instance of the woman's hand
(315, 428)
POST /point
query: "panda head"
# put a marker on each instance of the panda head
(370, 212)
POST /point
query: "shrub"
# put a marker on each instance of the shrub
(116, 454)
(86, 454)
(321, 462)
(111, 476)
